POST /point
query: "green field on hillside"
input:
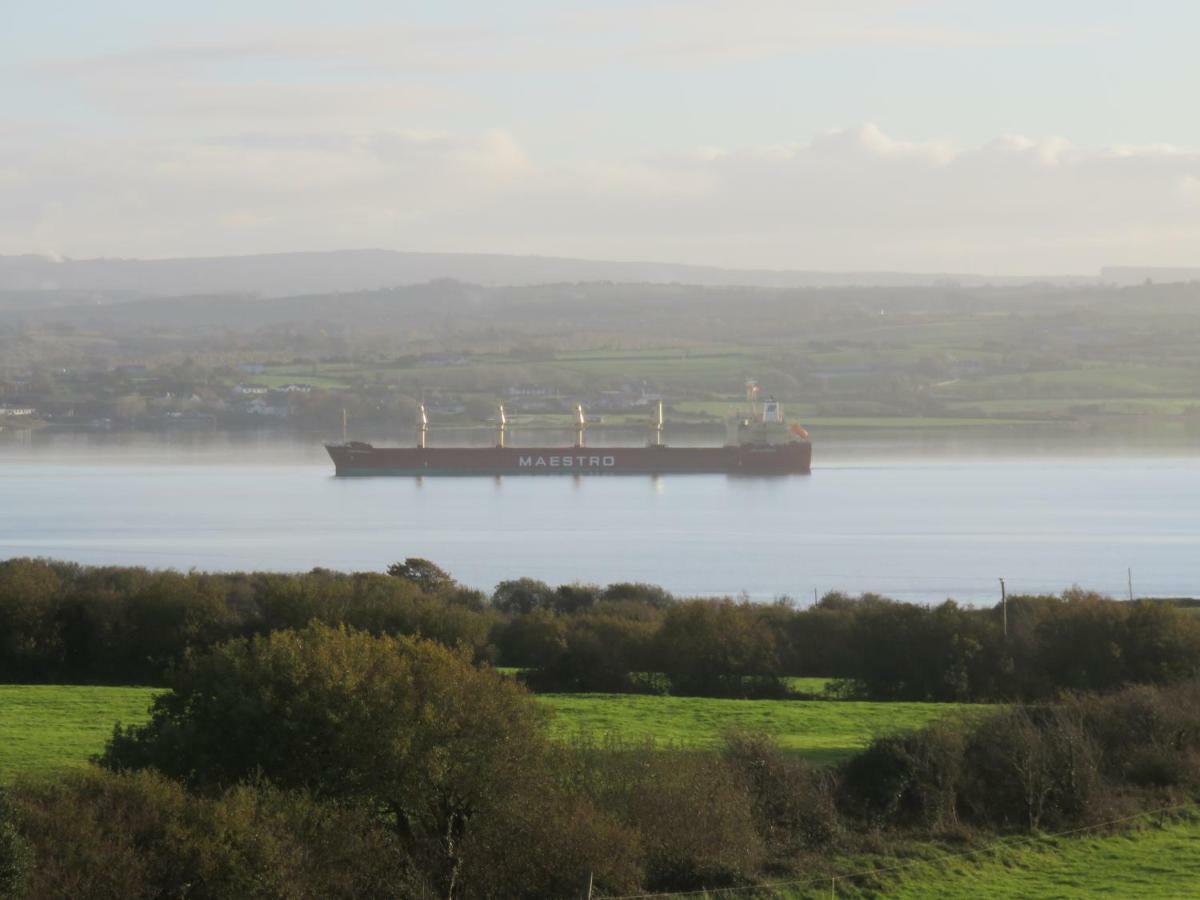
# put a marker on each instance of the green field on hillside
(44, 728)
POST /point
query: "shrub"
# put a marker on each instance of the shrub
(910, 779)
(693, 815)
(15, 855)
(793, 803)
(97, 834)
(1031, 768)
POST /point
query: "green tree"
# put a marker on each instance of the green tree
(405, 725)
(428, 576)
(523, 595)
(709, 647)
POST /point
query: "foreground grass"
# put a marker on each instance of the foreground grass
(820, 730)
(47, 728)
(1142, 862)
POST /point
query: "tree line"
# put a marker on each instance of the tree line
(328, 762)
(61, 622)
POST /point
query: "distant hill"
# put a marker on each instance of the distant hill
(1126, 275)
(284, 274)
(450, 309)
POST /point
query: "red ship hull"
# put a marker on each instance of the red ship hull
(356, 458)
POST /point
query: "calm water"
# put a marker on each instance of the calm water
(916, 522)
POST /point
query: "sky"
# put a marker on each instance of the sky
(914, 135)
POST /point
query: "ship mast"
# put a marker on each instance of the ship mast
(752, 398)
(580, 424)
(658, 426)
(422, 426)
(502, 427)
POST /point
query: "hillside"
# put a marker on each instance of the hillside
(278, 274)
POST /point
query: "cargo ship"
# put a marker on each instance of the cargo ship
(762, 443)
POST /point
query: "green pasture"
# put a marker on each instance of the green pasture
(1147, 861)
(44, 728)
(47, 727)
(823, 731)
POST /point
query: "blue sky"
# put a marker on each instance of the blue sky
(151, 129)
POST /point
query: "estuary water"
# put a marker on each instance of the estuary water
(916, 521)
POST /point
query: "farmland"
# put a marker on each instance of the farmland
(882, 361)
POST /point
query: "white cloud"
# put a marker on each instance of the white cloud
(850, 199)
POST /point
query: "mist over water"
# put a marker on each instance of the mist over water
(923, 518)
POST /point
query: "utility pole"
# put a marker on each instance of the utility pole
(1129, 574)
(1004, 606)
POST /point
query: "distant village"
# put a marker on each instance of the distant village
(248, 396)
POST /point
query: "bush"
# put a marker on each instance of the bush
(1150, 736)
(15, 855)
(1032, 768)
(910, 779)
(97, 834)
(693, 815)
(548, 846)
(793, 803)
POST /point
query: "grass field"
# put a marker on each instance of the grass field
(1141, 862)
(820, 730)
(44, 728)
(47, 727)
